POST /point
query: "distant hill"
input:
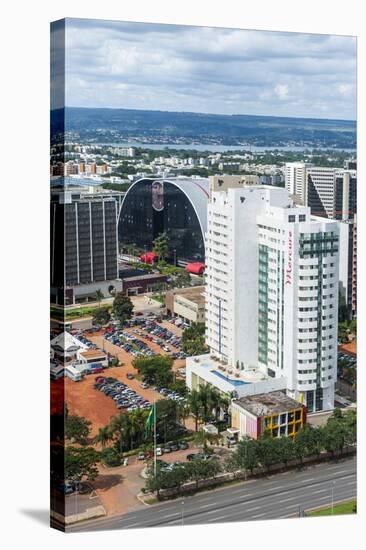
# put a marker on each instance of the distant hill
(110, 125)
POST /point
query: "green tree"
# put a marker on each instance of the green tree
(267, 451)
(198, 470)
(156, 369)
(161, 245)
(301, 445)
(111, 457)
(81, 462)
(182, 280)
(101, 316)
(154, 480)
(77, 429)
(207, 396)
(193, 339)
(245, 456)
(203, 438)
(194, 405)
(103, 437)
(99, 296)
(285, 449)
(120, 427)
(122, 307)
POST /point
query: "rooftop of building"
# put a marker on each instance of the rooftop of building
(264, 404)
(67, 343)
(146, 277)
(92, 353)
(194, 293)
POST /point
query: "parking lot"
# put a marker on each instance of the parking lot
(85, 400)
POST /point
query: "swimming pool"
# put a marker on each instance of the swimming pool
(230, 380)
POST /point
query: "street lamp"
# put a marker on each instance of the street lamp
(175, 256)
(182, 511)
(332, 492)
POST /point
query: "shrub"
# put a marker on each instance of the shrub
(110, 457)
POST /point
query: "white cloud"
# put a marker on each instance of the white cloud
(281, 91)
(345, 89)
(200, 69)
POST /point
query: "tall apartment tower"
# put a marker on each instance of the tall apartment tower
(345, 205)
(320, 190)
(295, 177)
(272, 288)
(348, 264)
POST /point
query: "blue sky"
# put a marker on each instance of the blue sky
(210, 70)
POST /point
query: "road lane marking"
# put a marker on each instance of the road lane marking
(209, 512)
(226, 517)
(259, 515)
(252, 509)
(287, 499)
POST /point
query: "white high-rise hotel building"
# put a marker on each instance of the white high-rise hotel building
(272, 288)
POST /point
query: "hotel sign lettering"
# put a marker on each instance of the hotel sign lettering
(288, 273)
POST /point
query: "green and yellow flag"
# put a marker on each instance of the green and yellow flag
(149, 421)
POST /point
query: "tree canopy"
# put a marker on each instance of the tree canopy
(156, 369)
(81, 462)
(122, 307)
(77, 429)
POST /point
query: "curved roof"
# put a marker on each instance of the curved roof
(195, 189)
(67, 343)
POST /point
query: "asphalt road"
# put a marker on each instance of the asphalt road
(277, 496)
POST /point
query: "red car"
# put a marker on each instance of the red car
(97, 370)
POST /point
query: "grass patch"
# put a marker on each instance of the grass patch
(153, 500)
(158, 298)
(81, 311)
(338, 509)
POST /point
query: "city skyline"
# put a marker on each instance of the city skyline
(129, 65)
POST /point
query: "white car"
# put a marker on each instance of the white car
(159, 451)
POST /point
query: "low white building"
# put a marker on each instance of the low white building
(207, 369)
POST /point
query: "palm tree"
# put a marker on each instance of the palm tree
(103, 437)
(182, 411)
(137, 425)
(203, 438)
(216, 401)
(206, 398)
(194, 405)
(99, 296)
(120, 427)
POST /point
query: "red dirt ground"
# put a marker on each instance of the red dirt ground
(83, 400)
(350, 348)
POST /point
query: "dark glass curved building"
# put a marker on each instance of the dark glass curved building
(177, 206)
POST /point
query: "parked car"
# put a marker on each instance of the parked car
(159, 451)
(183, 445)
(130, 376)
(198, 456)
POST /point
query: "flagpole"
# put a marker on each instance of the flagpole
(154, 438)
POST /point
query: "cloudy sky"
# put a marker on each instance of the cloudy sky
(210, 70)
